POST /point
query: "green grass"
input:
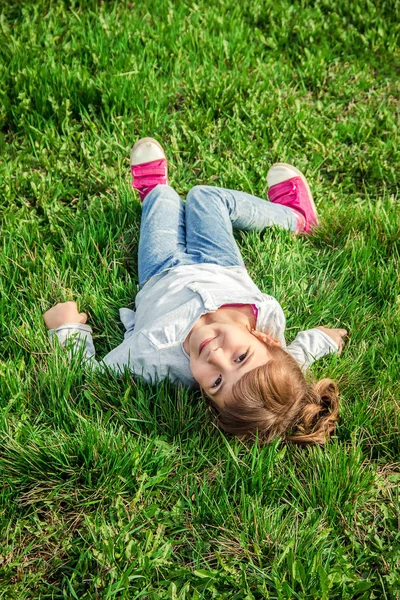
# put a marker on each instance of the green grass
(110, 488)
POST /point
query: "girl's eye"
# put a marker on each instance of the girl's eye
(217, 382)
(241, 358)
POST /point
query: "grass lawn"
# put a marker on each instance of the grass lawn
(110, 488)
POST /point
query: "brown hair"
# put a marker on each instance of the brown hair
(275, 399)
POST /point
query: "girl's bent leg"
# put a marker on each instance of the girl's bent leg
(162, 242)
(211, 213)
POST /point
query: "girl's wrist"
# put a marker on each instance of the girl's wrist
(69, 323)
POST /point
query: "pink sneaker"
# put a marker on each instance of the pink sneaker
(288, 186)
(149, 166)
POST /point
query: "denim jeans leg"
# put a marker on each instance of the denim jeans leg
(212, 212)
(162, 242)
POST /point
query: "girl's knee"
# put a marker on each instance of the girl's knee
(203, 193)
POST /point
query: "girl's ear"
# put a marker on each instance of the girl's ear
(267, 339)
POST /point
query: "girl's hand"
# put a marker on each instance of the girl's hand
(336, 334)
(63, 312)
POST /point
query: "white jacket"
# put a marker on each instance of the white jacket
(169, 305)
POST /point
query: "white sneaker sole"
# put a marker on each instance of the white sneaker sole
(145, 150)
(304, 180)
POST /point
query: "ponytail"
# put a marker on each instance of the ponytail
(317, 419)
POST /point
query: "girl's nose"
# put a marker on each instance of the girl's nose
(216, 357)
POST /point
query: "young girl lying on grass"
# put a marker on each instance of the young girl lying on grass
(199, 316)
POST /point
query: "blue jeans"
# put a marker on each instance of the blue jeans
(174, 233)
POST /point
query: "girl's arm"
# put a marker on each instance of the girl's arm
(312, 344)
(66, 323)
(136, 352)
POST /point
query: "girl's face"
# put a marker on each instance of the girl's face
(221, 353)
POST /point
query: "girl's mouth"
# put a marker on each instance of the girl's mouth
(204, 343)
